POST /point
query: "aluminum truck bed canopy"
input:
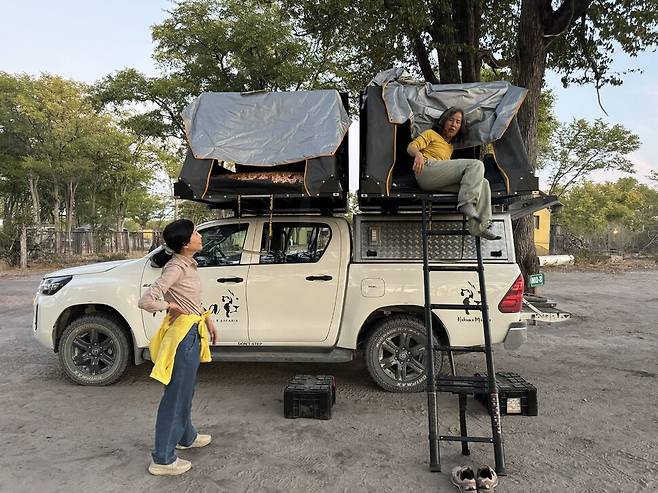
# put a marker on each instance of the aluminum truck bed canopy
(395, 110)
(289, 145)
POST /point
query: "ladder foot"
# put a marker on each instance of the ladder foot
(435, 468)
(501, 472)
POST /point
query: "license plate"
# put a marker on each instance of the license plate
(535, 280)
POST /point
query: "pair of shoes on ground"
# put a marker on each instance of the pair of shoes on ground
(465, 479)
(179, 466)
(469, 211)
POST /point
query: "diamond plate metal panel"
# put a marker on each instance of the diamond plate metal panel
(401, 240)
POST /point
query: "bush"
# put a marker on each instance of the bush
(589, 257)
(109, 257)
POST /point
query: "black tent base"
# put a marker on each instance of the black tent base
(517, 205)
(280, 203)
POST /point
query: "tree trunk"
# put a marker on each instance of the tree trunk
(529, 73)
(23, 247)
(468, 17)
(443, 33)
(33, 181)
(71, 188)
(56, 207)
(120, 219)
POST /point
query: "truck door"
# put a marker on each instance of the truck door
(223, 268)
(293, 283)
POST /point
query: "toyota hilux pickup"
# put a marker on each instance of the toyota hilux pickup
(294, 288)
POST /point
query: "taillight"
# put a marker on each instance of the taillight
(513, 300)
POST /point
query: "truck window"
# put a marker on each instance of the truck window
(293, 243)
(222, 245)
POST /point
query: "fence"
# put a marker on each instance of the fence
(41, 243)
(614, 242)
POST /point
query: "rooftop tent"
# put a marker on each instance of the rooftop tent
(291, 146)
(395, 109)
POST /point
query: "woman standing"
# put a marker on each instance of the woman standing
(435, 171)
(179, 346)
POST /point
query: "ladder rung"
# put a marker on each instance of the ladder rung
(448, 306)
(457, 438)
(460, 349)
(462, 385)
(454, 268)
(462, 379)
(446, 232)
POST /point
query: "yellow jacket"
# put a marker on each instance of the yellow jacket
(165, 342)
(433, 146)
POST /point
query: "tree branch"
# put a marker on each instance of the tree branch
(422, 56)
(561, 19)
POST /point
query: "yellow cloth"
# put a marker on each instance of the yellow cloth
(433, 146)
(165, 342)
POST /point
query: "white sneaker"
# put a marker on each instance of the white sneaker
(487, 234)
(199, 441)
(179, 466)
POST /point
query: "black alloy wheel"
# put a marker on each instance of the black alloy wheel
(93, 350)
(395, 354)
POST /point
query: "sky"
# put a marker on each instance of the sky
(87, 39)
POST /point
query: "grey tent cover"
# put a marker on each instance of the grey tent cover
(265, 128)
(489, 107)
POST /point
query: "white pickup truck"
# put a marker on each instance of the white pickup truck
(294, 288)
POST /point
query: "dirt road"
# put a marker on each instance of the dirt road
(597, 427)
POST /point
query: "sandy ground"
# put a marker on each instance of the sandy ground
(596, 430)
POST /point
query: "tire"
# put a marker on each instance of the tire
(395, 354)
(94, 350)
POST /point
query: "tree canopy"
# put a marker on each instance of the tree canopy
(580, 148)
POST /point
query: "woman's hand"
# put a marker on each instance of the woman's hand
(213, 333)
(174, 311)
(419, 162)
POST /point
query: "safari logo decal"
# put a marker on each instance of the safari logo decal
(227, 308)
(468, 295)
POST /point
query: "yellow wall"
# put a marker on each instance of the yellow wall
(542, 220)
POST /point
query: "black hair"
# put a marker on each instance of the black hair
(441, 123)
(176, 235)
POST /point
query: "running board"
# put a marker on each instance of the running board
(283, 355)
(274, 354)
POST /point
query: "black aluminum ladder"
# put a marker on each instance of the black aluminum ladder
(461, 385)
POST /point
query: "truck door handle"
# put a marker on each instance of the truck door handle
(319, 278)
(230, 279)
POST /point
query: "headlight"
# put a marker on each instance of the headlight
(51, 285)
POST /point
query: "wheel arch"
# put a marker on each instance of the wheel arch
(74, 312)
(416, 311)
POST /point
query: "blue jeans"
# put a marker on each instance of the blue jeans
(173, 425)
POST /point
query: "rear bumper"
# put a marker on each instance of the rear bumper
(517, 335)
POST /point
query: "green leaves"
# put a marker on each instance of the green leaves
(592, 208)
(580, 148)
(58, 149)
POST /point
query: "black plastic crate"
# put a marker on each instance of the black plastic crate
(317, 379)
(516, 396)
(309, 396)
